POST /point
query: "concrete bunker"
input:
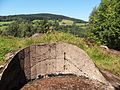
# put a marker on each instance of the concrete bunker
(46, 59)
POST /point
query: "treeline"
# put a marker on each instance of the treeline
(31, 17)
(104, 23)
(24, 28)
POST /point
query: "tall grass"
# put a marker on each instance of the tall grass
(102, 60)
(8, 44)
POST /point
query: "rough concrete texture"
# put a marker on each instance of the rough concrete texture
(55, 58)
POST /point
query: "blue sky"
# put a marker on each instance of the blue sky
(80, 9)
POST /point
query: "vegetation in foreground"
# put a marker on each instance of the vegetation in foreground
(101, 58)
(104, 23)
(104, 27)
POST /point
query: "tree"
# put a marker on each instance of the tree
(12, 30)
(25, 28)
(104, 23)
(19, 29)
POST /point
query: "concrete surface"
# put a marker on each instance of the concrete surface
(40, 60)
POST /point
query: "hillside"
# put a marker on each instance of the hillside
(42, 16)
(27, 25)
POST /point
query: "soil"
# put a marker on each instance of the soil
(64, 83)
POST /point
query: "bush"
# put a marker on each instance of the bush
(104, 23)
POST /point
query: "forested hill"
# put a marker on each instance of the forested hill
(42, 16)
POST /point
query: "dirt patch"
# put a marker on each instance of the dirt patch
(64, 83)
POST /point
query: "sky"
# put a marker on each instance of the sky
(80, 9)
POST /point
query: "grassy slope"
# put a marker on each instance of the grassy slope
(8, 44)
(66, 22)
(102, 60)
(7, 23)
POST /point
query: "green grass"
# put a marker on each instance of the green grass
(8, 44)
(102, 59)
(3, 26)
(82, 25)
(66, 22)
(8, 22)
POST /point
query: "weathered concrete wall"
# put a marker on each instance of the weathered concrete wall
(55, 58)
(13, 77)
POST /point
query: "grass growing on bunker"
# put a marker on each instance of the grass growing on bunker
(102, 60)
(8, 44)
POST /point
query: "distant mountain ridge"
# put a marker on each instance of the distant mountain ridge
(41, 16)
